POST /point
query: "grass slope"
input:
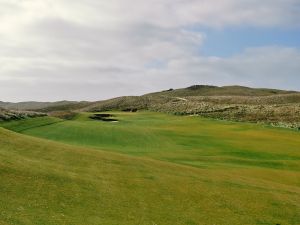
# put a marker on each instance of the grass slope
(49, 183)
(181, 139)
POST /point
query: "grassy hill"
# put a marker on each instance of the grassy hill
(270, 106)
(145, 100)
(199, 93)
(207, 90)
(234, 103)
(173, 170)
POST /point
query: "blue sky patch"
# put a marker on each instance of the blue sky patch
(231, 41)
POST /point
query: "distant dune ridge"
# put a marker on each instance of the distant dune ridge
(37, 105)
(237, 103)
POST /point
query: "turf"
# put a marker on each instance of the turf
(171, 170)
(181, 139)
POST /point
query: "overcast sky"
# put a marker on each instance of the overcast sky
(97, 49)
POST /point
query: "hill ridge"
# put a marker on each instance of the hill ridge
(237, 103)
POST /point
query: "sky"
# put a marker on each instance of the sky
(97, 49)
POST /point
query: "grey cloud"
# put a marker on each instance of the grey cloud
(90, 49)
(265, 67)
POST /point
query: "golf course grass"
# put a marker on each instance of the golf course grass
(148, 168)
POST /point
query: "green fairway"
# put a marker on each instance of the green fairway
(185, 140)
(148, 168)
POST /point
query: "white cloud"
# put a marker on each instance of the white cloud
(265, 67)
(260, 67)
(95, 49)
(167, 13)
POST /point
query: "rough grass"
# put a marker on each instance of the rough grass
(172, 170)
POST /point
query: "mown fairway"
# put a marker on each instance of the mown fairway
(171, 170)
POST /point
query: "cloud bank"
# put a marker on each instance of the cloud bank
(96, 49)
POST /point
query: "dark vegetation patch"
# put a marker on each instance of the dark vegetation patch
(171, 89)
(103, 117)
(130, 110)
(197, 87)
